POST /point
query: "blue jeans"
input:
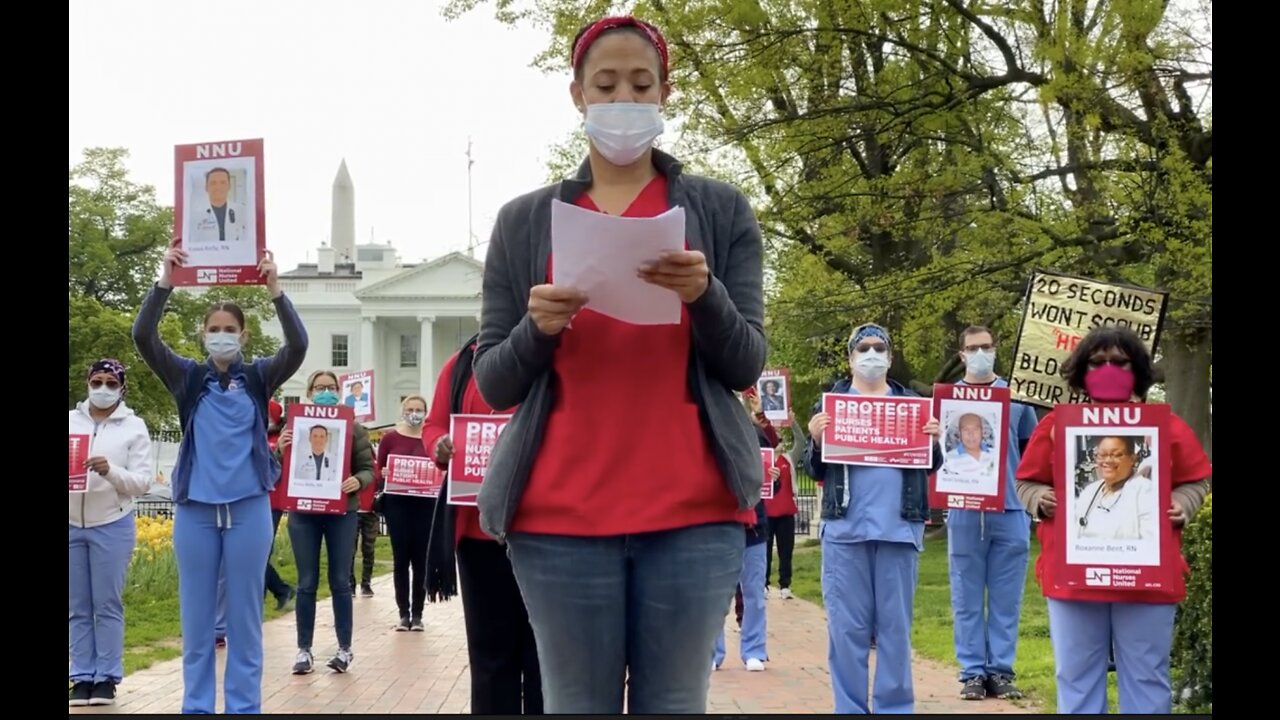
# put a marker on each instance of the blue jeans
(637, 611)
(338, 532)
(97, 564)
(203, 535)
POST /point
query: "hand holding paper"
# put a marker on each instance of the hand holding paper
(604, 256)
(552, 307)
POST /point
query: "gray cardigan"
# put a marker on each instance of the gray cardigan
(513, 358)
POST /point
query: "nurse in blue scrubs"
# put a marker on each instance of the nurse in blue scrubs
(987, 552)
(872, 535)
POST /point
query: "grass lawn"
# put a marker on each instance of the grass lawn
(931, 631)
(151, 621)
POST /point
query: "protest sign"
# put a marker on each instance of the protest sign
(219, 212)
(318, 459)
(877, 430)
(1059, 310)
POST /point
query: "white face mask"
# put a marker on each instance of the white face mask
(871, 365)
(104, 397)
(980, 363)
(623, 131)
(414, 418)
(222, 345)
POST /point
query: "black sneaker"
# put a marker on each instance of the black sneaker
(416, 625)
(366, 590)
(79, 695)
(403, 625)
(304, 663)
(103, 693)
(285, 598)
(340, 662)
(1001, 686)
(975, 688)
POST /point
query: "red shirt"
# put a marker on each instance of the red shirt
(624, 449)
(467, 521)
(1190, 464)
(783, 502)
(277, 494)
(366, 495)
(393, 443)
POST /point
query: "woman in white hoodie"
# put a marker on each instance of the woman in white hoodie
(101, 532)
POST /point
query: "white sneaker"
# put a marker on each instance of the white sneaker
(714, 667)
(786, 594)
(754, 665)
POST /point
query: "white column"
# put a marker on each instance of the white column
(427, 355)
(367, 331)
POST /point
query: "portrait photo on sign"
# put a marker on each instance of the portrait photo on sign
(356, 393)
(220, 217)
(972, 445)
(317, 458)
(1113, 507)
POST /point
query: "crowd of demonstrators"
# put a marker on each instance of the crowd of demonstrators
(595, 576)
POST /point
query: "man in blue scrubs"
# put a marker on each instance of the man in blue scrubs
(987, 551)
(872, 534)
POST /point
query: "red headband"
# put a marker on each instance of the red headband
(594, 31)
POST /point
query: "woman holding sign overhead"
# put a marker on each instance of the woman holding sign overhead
(872, 535)
(221, 483)
(1112, 365)
(647, 541)
(338, 533)
(408, 517)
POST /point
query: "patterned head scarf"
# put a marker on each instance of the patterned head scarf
(109, 365)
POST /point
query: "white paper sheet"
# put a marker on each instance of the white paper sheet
(599, 254)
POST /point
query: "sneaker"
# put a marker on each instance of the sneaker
(103, 693)
(403, 625)
(340, 662)
(284, 598)
(366, 590)
(304, 663)
(714, 667)
(975, 688)
(1001, 686)
(416, 625)
(755, 665)
(785, 593)
(79, 695)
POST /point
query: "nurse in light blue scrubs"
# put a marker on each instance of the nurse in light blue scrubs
(872, 535)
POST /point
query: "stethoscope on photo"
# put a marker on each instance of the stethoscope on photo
(1084, 519)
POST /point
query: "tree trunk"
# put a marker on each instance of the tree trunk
(1188, 357)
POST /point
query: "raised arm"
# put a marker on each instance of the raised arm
(512, 352)
(280, 367)
(169, 366)
(728, 319)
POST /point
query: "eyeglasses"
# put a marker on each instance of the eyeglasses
(322, 388)
(871, 347)
(1114, 457)
(1099, 362)
(97, 384)
(986, 347)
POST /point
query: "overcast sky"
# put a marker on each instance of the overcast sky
(388, 85)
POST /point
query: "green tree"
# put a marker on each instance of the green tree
(914, 160)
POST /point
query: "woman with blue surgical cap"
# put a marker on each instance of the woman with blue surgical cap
(872, 534)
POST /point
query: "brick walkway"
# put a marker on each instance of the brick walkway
(427, 672)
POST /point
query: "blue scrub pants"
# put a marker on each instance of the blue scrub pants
(869, 589)
(634, 612)
(203, 535)
(220, 624)
(97, 565)
(1083, 634)
(751, 580)
(987, 558)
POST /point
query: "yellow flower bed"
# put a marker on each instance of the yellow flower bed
(155, 535)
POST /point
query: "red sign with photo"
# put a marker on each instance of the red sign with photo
(877, 430)
(219, 213)
(77, 455)
(973, 424)
(769, 458)
(413, 475)
(1112, 478)
(774, 391)
(474, 437)
(318, 458)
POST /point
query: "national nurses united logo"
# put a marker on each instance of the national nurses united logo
(1097, 577)
(207, 275)
(955, 501)
(304, 503)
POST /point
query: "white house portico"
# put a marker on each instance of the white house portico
(370, 312)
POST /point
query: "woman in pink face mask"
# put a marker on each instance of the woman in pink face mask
(1112, 365)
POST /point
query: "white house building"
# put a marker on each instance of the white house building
(364, 310)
